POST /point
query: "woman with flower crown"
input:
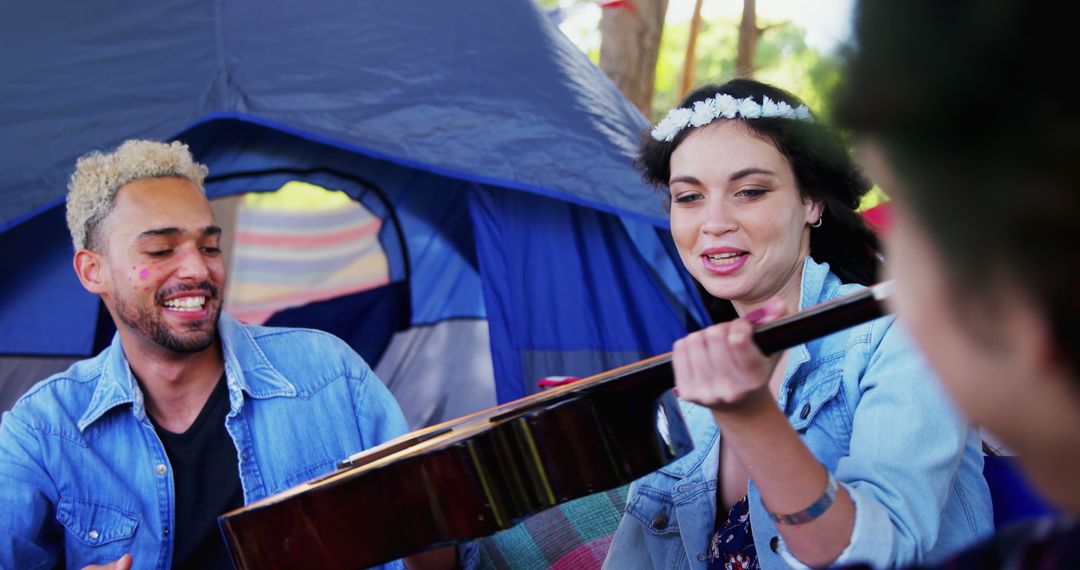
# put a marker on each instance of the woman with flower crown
(842, 450)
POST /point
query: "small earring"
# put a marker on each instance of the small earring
(817, 224)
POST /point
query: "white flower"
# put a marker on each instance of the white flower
(675, 121)
(769, 108)
(749, 109)
(704, 112)
(723, 105)
(726, 105)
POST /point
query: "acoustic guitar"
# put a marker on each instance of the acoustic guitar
(482, 473)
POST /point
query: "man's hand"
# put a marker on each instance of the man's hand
(122, 563)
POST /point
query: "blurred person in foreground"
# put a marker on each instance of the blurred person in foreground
(960, 107)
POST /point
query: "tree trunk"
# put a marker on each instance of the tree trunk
(748, 39)
(689, 70)
(630, 46)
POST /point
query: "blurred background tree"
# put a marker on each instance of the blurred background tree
(778, 49)
(630, 32)
(697, 50)
(782, 57)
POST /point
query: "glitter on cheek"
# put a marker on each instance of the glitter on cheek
(144, 273)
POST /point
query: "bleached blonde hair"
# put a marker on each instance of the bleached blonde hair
(98, 176)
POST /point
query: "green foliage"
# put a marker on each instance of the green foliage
(874, 197)
(782, 58)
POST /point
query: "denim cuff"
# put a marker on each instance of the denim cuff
(871, 536)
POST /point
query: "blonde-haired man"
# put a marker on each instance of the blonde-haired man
(129, 457)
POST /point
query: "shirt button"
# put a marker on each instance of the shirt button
(805, 412)
(701, 557)
(165, 531)
(244, 456)
(774, 544)
(161, 469)
(659, 521)
(93, 535)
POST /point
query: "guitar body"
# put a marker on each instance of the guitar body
(471, 478)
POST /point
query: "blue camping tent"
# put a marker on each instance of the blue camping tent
(493, 157)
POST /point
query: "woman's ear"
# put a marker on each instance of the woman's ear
(815, 212)
(90, 268)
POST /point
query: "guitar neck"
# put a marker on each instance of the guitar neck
(823, 319)
(815, 322)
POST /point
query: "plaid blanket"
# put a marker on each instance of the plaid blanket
(573, 535)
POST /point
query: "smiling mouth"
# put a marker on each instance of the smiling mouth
(186, 304)
(726, 258)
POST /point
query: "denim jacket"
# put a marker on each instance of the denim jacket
(85, 479)
(868, 408)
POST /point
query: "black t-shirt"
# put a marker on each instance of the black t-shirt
(206, 479)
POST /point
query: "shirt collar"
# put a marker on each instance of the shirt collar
(815, 278)
(116, 386)
(247, 369)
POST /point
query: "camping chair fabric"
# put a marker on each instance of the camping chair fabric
(572, 536)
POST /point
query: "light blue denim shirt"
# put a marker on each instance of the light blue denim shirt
(83, 475)
(870, 410)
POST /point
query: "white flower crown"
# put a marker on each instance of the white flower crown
(723, 105)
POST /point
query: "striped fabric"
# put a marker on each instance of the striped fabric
(298, 245)
(573, 535)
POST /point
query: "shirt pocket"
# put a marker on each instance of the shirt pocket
(818, 401)
(308, 473)
(655, 510)
(96, 533)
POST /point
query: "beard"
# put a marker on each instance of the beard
(148, 322)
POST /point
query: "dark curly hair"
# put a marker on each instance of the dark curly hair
(824, 172)
(990, 166)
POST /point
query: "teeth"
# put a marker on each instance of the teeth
(723, 258)
(186, 303)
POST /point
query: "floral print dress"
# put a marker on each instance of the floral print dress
(732, 544)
